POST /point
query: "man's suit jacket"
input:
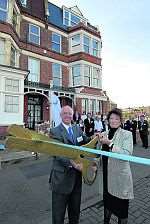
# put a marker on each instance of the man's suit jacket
(89, 125)
(134, 125)
(62, 176)
(143, 127)
(128, 125)
(120, 183)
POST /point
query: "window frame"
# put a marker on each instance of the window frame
(5, 11)
(95, 49)
(85, 104)
(69, 19)
(3, 53)
(93, 105)
(15, 19)
(98, 77)
(85, 45)
(11, 104)
(64, 18)
(56, 77)
(13, 62)
(30, 33)
(56, 43)
(33, 74)
(76, 44)
(76, 76)
(11, 88)
(87, 76)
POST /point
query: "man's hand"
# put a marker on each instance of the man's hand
(77, 166)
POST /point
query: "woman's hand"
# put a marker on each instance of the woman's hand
(104, 140)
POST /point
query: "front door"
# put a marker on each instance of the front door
(34, 111)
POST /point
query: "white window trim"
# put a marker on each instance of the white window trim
(56, 42)
(65, 17)
(5, 10)
(97, 49)
(90, 75)
(72, 21)
(60, 74)
(72, 46)
(89, 46)
(14, 9)
(3, 53)
(31, 24)
(70, 12)
(38, 77)
(12, 85)
(15, 55)
(86, 109)
(78, 64)
(11, 104)
(97, 78)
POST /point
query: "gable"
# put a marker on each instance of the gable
(76, 10)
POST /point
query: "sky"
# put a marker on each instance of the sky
(125, 31)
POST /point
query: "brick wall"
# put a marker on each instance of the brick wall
(64, 45)
(79, 105)
(24, 30)
(84, 56)
(105, 107)
(92, 91)
(65, 76)
(44, 37)
(45, 72)
(23, 61)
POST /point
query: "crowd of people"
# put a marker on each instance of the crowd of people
(114, 135)
(90, 124)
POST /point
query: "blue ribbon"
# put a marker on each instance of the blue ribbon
(115, 155)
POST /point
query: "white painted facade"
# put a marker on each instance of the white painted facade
(12, 113)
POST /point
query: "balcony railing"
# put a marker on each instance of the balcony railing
(36, 84)
(45, 86)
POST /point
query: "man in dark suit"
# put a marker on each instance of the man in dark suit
(131, 125)
(65, 177)
(133, 130)
(127, 125)
(143, 130)
(89, 125)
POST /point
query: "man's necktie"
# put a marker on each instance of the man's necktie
(70, 132)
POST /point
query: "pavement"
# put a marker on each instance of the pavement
(26, 199)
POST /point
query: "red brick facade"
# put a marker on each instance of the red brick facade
(46, 72)
(47, 56)
(92, 91)
(79, 105)
(65, 76)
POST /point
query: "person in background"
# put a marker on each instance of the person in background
(89, 125)
(143, 130)
(117, 177)
(66, 175)
(127, 125)
(83, 116)
(81, 124)
(76, 117)
(131, 125)
(133, 129)
(98, 126)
